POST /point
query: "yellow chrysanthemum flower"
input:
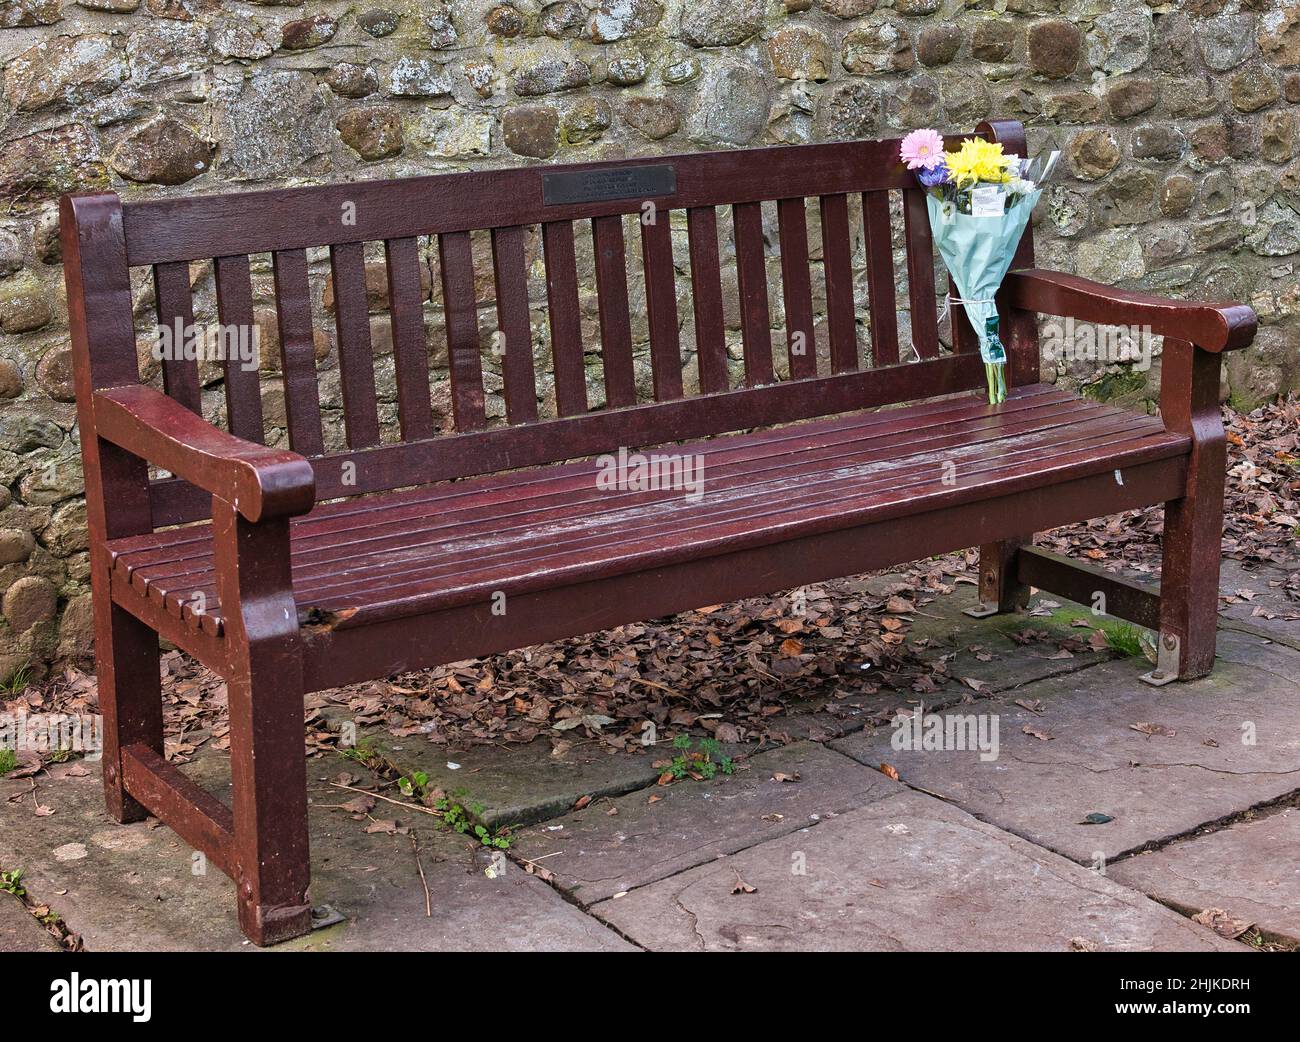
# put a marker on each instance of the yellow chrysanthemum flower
(978, 160)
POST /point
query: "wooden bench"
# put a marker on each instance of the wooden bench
(419, 543)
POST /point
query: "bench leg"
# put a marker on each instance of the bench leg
(1189, 586)
(268, 767)
(130, 698)
(1193, 538)
(1000, 590)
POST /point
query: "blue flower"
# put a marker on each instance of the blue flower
(935, 175)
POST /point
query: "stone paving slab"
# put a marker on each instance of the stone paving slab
(19, 930)
(983, 650)
(1267, 600)
(522, 784)
(907, 873)
(131, 887)
(1154, 787)
(1250, 869)
(595, 854)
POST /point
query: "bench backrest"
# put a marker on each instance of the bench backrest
(559, 205)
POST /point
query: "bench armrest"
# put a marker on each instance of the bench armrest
(257, 481)
(1212, 327)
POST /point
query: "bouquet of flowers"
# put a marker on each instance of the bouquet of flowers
(979, 200)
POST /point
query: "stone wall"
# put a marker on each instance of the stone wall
(1177, 119)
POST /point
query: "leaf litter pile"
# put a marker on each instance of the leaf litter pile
(732, 672)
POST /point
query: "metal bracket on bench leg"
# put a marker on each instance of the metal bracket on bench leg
(325, 915)
(982, 612)
(1168, 657)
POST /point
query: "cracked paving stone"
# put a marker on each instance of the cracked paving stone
(1154, 787)
(907, 873)
(1249, 869)
(520, 784)
(134, 887)
(595, 855)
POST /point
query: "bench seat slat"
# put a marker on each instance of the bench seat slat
(408, 552)
(323, 551)
(365, 512)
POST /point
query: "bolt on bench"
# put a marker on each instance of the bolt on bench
(417, 543)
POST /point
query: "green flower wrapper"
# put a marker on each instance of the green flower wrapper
(977, 252)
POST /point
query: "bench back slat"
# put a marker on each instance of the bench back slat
(356, 356)
(751, 276)
(514, 329)
(796, 282)
(234, 284)
(837, 258)
(920, 273)
(175, 309)
(410, 349)
(661, 305)
(565, 318)
(615, 318)
(464, 352)
(298, 352)
(537, 219)
(878, 234)
(706, 291)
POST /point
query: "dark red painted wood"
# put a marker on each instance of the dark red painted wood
(513, 324)
(235, 313)
(880, 278)
(410, 349)
(751, 274)
(801, 341)
(463, 347)
(920, 274)
(298, 352)
(356, 356)
(837, 257)
(175, 311)
(661, 305)
(615, 322)
(566, 324)
(706, 293)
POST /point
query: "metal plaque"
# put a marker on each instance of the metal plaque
(595, 186)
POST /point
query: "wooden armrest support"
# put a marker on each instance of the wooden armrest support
(257, 481)
(1212, 327)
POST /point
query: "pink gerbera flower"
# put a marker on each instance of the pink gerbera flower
(922, 149)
